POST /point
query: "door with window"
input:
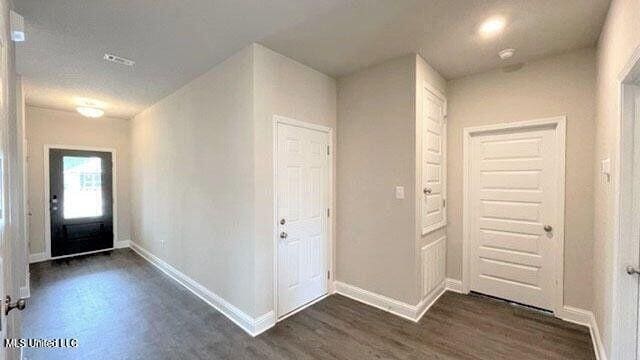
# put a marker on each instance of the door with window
(81, 201)
(302, 208)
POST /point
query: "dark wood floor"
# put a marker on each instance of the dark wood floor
(120, 307)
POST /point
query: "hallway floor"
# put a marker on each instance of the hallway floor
(119, 306)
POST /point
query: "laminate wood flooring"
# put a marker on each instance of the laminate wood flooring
(119, 306)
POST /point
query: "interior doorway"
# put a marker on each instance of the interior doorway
(514, 211)
(303, 168)
(626, 272)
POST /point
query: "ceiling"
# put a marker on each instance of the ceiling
(173, 42)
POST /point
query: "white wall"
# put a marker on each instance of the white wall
(561, 85)
(378, 235)
(59, 127)
(619, 39)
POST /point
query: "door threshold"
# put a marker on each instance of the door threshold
(80, 254)
(297, 310)
(514, 303)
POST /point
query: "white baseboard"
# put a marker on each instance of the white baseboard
(585, 318)
(121, 244)
(396, 307)
(454, 285)
(429, 300)
(37, 257)
(247, 323)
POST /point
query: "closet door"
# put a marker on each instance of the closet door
(434, 108)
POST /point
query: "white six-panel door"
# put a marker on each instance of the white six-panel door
(513, 203)
(302, 204)
(433, 164)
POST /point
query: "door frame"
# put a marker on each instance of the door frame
(330, 260)
(559, 123)
(47, 195)
(626, 231)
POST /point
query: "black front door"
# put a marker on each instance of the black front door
(81, 201)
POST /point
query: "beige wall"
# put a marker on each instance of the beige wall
(619, 39)
(287, 88)
(192, 180)
(57, 127)
(377, 146)
(210, 217)
(561, 85)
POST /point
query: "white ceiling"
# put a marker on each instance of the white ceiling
(173, 42)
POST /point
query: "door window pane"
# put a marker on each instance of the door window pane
(82, 186)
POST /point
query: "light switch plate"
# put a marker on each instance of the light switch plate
(399, 192)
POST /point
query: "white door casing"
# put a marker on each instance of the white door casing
(302, 197)
(514, 187)
(433, 167)
(624, 187)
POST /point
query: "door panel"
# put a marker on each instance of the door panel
(433, 134)
(513, 196)
(302, 196)
(81, 203)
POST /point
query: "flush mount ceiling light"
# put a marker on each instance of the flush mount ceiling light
(506, 54)
(492, 26)
(90, 112)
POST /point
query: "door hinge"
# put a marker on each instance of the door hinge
(328, 212)
(328, 150)
(329, 274)
(444, 202)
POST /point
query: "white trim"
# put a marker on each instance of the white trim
(277, 119)
(252, 326)
(25, 291)
(454, 285)
(596, 339)
(410, 312)
(47, 190)
(443, 138)
(623, 340)
(121, 244)
(584, 317)
(38, 257)
(559, 124)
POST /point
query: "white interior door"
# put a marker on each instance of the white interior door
(433, 161)
(514, 189)
(302, 212)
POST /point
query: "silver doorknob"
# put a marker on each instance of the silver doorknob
(426, 191)
(20, 304)
(548, 228)
(632, 271)
(283, 235)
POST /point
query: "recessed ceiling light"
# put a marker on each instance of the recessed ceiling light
(506, 54)
(90, 112)
(492, 26)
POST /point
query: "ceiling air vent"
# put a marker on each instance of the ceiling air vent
(119, 60)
